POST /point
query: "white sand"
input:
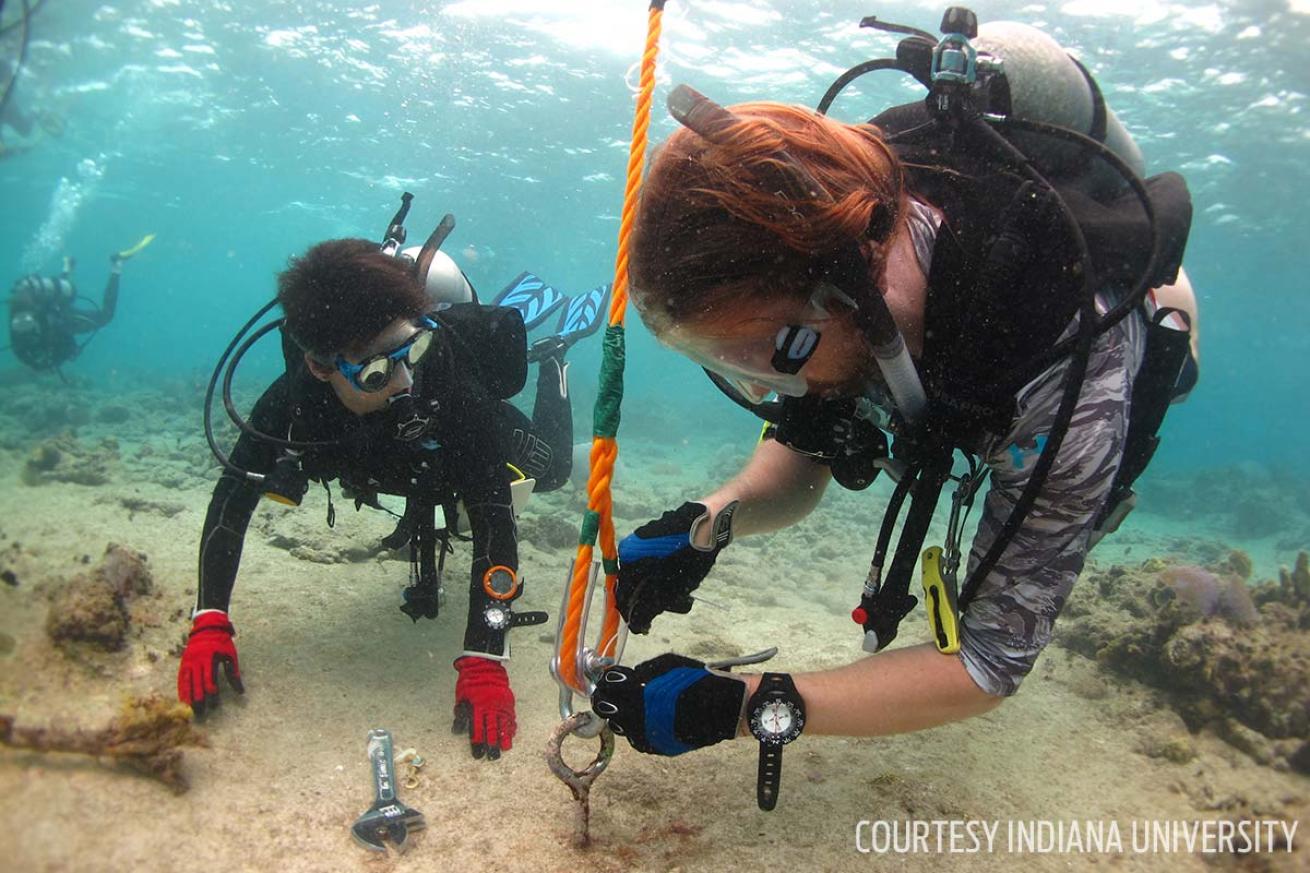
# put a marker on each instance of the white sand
(326, 655)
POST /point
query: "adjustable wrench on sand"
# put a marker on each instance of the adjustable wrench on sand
(387, 818)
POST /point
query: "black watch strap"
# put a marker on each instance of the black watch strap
(769, 778)
(774, 686)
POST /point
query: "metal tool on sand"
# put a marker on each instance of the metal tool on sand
(387, 819)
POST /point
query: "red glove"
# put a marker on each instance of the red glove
(484, 706)
(210, 644)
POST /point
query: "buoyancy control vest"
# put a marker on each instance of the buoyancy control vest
(1006, 276)
(1029, 236)
(478, 358)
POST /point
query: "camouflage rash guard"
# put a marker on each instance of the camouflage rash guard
(1012, 615)
(1010, 619)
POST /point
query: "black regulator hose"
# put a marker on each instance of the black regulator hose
(226, 370)
(209, 396)
(851, 75)
(1134, 297)
(245, 426)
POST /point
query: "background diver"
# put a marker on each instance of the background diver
(397, 383)
(915, 276)
(46, 314)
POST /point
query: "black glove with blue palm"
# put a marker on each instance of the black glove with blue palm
(670, 704)
(659, 566)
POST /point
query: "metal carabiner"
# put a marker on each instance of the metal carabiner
(587, 663)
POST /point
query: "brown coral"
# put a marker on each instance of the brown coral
(1165, 629)
(147, 736)
(92, 607)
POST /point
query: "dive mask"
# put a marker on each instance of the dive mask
(374, 373)
(753, 368)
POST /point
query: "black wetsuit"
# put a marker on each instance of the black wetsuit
(461, 454)
(45, 318)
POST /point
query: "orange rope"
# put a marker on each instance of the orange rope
(605, 450)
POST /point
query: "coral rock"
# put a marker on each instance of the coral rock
(1196, 635)
(88, 610)
(64, 459)
(92, 607)
(1205, 594)
(1295, 583)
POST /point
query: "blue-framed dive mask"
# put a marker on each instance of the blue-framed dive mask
(374, 373)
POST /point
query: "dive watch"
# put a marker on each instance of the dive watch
(776, 716)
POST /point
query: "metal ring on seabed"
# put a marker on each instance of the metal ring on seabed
(578, 781)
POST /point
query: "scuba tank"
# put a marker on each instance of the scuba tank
(1047, 85)
(444, 281)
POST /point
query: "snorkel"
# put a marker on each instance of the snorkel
(410, 423)
(846, 271)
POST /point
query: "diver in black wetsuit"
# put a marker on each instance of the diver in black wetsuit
(46, 316)
(409, 399)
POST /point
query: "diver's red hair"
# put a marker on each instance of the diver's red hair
(723, 225)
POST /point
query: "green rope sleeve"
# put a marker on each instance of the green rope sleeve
(590, 528)
(605, 418)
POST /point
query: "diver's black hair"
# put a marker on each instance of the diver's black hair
(343, 292)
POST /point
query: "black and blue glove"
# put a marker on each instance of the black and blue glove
(670, 704)
(659, 566)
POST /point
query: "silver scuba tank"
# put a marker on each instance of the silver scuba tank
(1047, 86)
(444, 282)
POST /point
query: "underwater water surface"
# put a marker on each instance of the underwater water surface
(242, 132)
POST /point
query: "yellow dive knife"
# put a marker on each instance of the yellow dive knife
(940, 600)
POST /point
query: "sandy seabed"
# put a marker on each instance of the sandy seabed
(326, 655)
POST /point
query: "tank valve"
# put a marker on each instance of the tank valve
(958, 19)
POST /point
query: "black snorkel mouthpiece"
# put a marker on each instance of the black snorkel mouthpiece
(711, 122)
(409, 421)
(395, 237)
(698, 113)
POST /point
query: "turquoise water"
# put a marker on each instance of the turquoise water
(241, 132)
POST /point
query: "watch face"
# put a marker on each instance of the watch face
(497, 617)
(776, 721)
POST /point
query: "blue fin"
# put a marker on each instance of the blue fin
(532, 297)
(584, 315)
